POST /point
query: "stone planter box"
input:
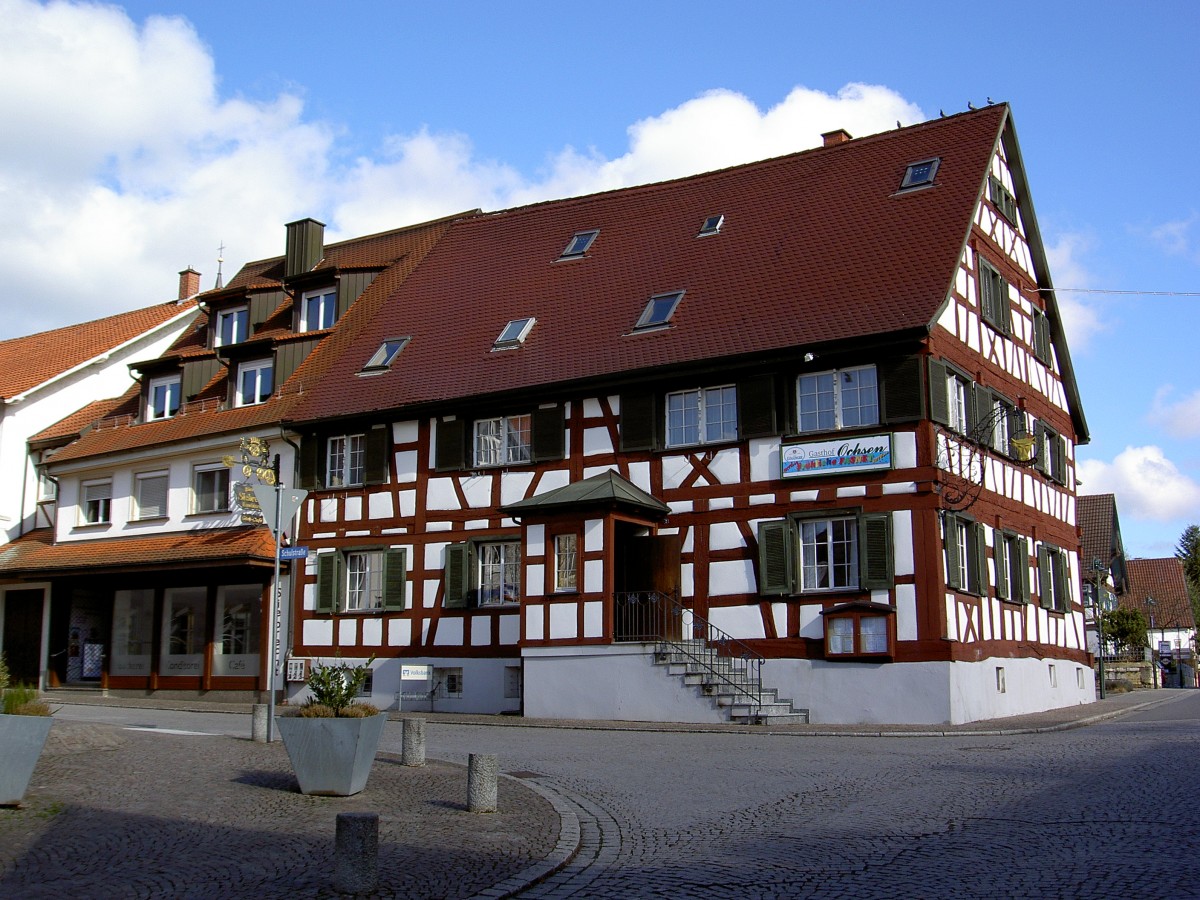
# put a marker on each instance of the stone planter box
(331, 757)
(21, 742)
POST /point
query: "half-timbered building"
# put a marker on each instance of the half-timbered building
(791, 439)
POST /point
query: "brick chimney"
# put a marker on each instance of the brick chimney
(189, 283)
(833, 138)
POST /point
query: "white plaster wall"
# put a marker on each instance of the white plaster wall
(734, 576)
(742, 622)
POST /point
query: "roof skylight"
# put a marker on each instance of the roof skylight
(514, 333)
(712, 225)
(920, 174)
(658, 310)
(579, 244)
(386, 354)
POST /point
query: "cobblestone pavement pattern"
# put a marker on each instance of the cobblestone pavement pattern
(1105, 811)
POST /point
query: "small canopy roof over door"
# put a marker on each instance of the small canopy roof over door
(606, 489)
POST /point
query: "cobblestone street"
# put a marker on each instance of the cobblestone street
(1109, 810)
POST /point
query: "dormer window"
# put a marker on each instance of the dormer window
(920, 174)
(232, 326)
(162, 397)
(318, 309)
(255, 382)
(712, 225)
(386, 354)
(658, 311)
(579, 244)
(514, 334)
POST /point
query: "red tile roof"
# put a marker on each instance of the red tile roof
(1095, 515)
(26, 362)
(1162, 579)
(36, 555)
(817, 247)
(72, 425)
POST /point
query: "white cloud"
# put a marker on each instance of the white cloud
(1081, 319)
(1176, 238)
(1147, 484)
(1179, 416)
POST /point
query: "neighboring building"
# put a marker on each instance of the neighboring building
(45, 378)
(156, 572)
(817, 409)
(1102, 563)
(1158, 589)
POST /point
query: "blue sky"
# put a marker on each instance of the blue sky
(141, 136)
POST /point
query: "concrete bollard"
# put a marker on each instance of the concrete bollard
(356, 853)
(481, 782)
(258, 723)
(412, 752)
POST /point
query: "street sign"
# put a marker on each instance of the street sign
(293, 552)
(289, 502)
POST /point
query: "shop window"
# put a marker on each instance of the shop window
(235, 642)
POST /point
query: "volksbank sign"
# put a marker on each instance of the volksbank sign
(861, 454)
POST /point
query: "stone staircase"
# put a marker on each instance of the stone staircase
(728, 682)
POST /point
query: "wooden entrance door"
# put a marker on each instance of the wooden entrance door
(649, 588)
(23, 635)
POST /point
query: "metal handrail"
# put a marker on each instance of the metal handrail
(646, 615)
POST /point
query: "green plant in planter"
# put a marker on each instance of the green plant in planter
(334, 688)
(20, 700)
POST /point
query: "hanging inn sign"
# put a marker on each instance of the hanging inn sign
(860, 454)
(256, 468)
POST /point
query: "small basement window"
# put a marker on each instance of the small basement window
(385, 355)
(579, 244)
(514, 334)
(920, 174)
(658, 311)
(712, 225)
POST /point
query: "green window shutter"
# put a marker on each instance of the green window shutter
(775, 557)
(329, 580)
(1003, 313)
(549, 434)
(451, 446)
(459, 559)
(393, 579)
(1021, 590)
(978, 543)
(756, 407)
(982, 420)
(375, 454)
(875, 551)
(1058, 571)
(954, 566)
(901, 396)
(1000, 559)
(311, 457)
(1058, 458)
(939, 400)
(640, 422)
(1045, 586)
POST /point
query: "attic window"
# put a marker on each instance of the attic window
(658, 311)
(920, 174)
(712, 225)
(385, 355)
(579, 244)
(514, 334)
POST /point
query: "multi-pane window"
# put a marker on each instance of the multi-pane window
(499, 573)
(162, 397)
(844, 398)
(958, 399)
(1002, 199)
(364, 580)
(1011, 556)
(318, 310)
(345, 460)
(96, 505)
(386, 354)
(502, 441)
(828, 554)
(210, 485)
(150, 495)
(1053, 582)
(579, 244)
(966, 568)
(658, 310)
(566, 562)
(232, 326)
(993, 297)
(255, 382)
(919, 174)
(704, 416)
(840, 636)
(1041, 336)
(857, 635)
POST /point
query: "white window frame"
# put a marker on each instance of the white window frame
(93, 496)
(139, 482)
(153, 410)
(239, 315)
(818, 554)
(47, 486)
(503, 441)
(383, 358)
(257, 367)
(702, 416)
(514, 333)
(204, 470)
(958, 402)
(326, 303)
(566, 562)
(345, 460)
(499, 572)
(832, 397)
(364, 580)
